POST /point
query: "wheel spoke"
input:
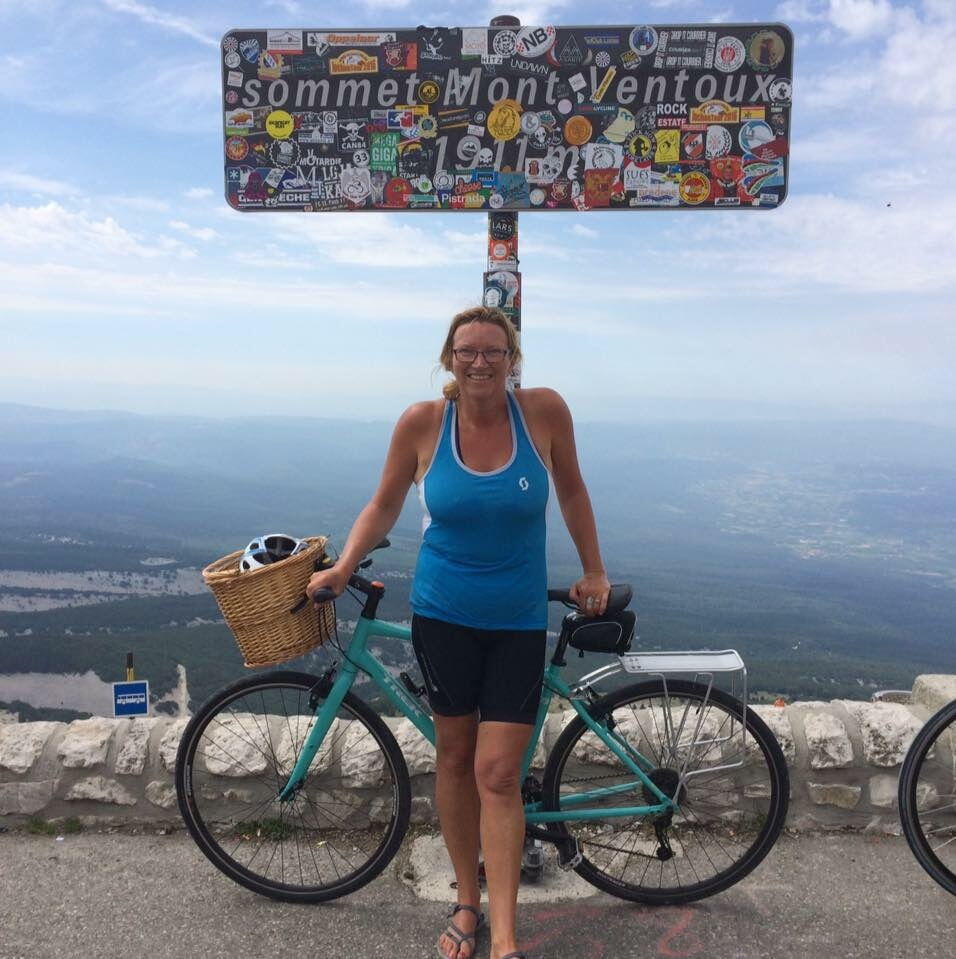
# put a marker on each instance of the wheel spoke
(329, 837)
(927, 809)
(727, 815)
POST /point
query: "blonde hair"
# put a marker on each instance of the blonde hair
(477, 314)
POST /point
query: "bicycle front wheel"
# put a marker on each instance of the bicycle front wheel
(732, 792)
(340, 828)
(927, 796)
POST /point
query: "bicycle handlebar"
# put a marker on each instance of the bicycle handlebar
(618, 598)
(326, 595)
(363, 585)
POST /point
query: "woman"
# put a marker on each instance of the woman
(481, 459)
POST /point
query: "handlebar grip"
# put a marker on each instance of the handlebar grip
(618, 598)
(323, 595)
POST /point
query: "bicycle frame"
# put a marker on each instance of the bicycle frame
(358, 658)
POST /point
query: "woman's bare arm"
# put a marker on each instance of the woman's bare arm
(575, 504)
(381, 511)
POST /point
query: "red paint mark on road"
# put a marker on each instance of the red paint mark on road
(666, 944)
(558, 925)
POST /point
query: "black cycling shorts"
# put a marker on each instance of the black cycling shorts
(494, 672)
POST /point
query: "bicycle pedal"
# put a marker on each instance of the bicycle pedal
(532, 859)
(569, 854)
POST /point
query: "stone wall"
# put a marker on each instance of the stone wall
(844, 759)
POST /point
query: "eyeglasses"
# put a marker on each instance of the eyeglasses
(467, 355)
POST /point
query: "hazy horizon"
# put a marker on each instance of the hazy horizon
(648, 411)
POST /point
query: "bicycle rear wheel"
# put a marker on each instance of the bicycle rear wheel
(341, 827)
(727, 820)
(927, 797)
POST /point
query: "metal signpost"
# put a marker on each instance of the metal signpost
(505, 118)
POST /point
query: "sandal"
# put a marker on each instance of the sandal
(459, 937)
(515, 955)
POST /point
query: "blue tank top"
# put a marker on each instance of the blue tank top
(482, 559)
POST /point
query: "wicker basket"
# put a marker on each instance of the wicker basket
(267, 609)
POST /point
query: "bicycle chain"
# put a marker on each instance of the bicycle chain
(601, 845)
(589, 779)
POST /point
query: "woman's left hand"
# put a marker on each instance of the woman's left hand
(590, 593)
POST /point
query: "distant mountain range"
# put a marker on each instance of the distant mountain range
(824, 551)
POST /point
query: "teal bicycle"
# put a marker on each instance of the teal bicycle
(927, 796)
(662, 791)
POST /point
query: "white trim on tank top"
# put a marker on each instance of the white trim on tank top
(420, 485)
(527, 433)
(454, 443)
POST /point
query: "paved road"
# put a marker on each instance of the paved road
(112, 895)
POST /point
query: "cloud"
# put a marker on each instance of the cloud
(372, 239)
(174, 97)
(290, 7)
(842, 86)
(861, 18)
(156, 17)
(918, 68)
(27, 182)
(828, 147)
(822, 241)
(198, 193)
(52, 229)
(204, 233)
(885, 119)
(585, 231)
(799, 11)
(186, 290)
(726, 15)
(529, 12)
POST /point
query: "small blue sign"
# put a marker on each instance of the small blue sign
(131, 699)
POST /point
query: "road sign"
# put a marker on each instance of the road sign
(131, 698)
(673, 116)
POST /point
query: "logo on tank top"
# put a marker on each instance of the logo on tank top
(523, 484)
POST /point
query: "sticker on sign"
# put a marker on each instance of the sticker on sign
(524, 116)
(534, 41)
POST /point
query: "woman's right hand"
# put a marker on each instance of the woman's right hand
(336, 578)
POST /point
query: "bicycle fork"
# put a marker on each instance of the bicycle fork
(333, 692)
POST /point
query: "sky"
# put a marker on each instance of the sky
(127, 282)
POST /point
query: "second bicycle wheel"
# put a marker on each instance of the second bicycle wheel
(732, 802)
(337, 832)
(927, 796)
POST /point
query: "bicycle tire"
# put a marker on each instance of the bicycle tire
(927, 797)
(749, 824)
(232, 762)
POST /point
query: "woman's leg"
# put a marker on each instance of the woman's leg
(498, 757)
(456, 799)
(451, 663)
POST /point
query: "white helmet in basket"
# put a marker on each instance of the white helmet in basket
(269, 549)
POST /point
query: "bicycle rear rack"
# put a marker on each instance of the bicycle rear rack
(702, 666)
